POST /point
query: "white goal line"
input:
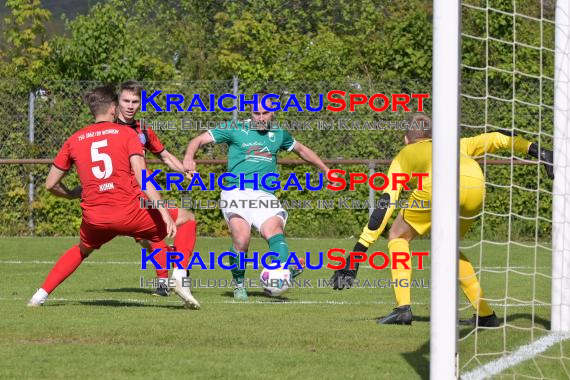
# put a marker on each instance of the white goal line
(522, 354)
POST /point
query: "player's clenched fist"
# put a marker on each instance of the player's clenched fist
(545, 156)
(189, 166)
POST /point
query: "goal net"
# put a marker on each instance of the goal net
(512, 70)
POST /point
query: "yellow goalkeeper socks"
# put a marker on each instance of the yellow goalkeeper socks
(472, 288)
(402, 293)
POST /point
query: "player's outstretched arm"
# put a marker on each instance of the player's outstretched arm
(171, 161)
(310, 156)
(138, 164)
(494, 141)
(195, 144)
(54, 185)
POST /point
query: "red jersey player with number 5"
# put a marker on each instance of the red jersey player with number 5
(106, 155)
(129, 105)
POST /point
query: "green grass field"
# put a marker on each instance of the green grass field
(101, 324)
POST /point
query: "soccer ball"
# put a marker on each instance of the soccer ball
(275, 281)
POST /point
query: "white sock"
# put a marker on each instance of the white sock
(179, 274)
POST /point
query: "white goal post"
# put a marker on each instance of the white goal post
(445, 200)
(445, 217)
(561, 190)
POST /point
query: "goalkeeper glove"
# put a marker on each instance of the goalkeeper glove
(545, 156)
(344, 278)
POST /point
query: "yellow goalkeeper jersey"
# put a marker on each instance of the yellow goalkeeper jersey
(417, 158)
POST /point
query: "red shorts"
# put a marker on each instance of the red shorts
(145, 224)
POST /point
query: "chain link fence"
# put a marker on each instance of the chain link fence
(38, 122)
(56, 110)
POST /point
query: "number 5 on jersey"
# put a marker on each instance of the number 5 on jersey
(97, 156)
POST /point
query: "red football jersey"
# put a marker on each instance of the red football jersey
(147, 137)
(101, 155)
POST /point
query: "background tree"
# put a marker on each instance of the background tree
(25, 51)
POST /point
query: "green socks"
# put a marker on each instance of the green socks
(278, 244)
(237, 274)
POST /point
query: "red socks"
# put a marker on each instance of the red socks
(70, 261)
(185, 240)
(66, 265)
(160, 258)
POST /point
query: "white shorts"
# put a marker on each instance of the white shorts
(255, 206)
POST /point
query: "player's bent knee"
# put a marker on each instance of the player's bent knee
(144, 243)
(240, 240)
(190, 214)
(184, 216)
(241, 245)
(272, 231)
(400, 235)
(85, 251)
(394, 234)
(401, 230)
(271, 227)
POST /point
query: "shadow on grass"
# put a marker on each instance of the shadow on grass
(419, 360)
(511, 319)
(123, 290)
(416, 318)
(259, 295)
(466, 330)
(118, 303)
(112, 303)
(537, 320)
(145, 291)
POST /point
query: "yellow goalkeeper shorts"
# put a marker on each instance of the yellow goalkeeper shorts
(418, 218)
(472, 192)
